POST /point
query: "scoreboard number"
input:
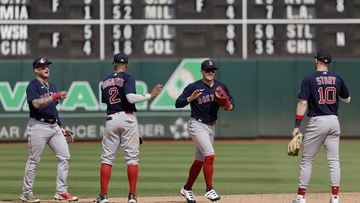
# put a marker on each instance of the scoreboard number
(98, 29)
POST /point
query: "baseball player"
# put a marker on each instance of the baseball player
(201, 127)
(44, 128)
(121, 129)
(320, 93)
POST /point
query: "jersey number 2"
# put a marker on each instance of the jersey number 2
(327, 96)
(113, 93)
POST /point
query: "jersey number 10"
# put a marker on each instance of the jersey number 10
(327, 96)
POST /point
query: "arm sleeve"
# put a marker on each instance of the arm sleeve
(129, 85)
(103, 96)
(32, 93)
(134, 98)
(346, 100)
(344, 91)
(181, 101)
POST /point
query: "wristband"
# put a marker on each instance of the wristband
(298, 119)
(56, 96)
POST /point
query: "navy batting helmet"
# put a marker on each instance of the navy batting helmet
(41, 61)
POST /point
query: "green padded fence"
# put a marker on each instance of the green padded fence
(265, 92)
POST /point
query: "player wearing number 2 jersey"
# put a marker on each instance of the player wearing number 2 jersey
(121, 129)
(320, 93)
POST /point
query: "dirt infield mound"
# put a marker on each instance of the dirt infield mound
(258, 198)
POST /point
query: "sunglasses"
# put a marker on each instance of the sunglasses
(43, 67)
(210, 70)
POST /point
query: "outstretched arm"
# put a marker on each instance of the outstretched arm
(134, 98)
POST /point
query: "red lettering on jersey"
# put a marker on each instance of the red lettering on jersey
(205, 98)
(112, 82)
(326, 80)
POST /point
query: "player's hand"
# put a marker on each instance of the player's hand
(60, 95)
(295, 131)
(156, 90)
(63, 94)
(196, 93)
(230, 108)
(68, 134)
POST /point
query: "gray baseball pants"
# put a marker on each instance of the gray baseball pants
(321, 130)
(38, 135)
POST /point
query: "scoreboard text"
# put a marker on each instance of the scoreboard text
(97, 29)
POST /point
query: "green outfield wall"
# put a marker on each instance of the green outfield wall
(265, 93)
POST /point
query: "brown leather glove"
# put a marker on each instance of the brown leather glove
(294, 145)
(69, 135)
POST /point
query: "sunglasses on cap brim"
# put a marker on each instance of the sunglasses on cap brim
(42, 66)
(211, 70)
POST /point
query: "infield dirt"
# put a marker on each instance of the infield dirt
(256, 198)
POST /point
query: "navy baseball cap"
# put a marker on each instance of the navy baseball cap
(324, 56)
(41, 61)
(208, 64)
(121, 58)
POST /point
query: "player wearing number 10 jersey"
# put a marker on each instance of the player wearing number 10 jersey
(320, 93)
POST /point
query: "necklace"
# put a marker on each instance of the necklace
(45, 85)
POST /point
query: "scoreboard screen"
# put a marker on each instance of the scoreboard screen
(98, 29)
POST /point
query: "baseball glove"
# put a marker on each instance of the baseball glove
(295, 144)
(222, 98)
(69, 135)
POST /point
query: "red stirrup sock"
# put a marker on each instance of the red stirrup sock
(193, 174)
(105, 175)
(132, 173)
(335, 190)
(301, 191)
(209, 171)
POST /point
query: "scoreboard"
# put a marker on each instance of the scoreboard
(98, 29)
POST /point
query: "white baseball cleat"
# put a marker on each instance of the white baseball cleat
(101, 199)
(298, 199)
(189, 195)
(334, 199)
(65, 196)
(212, 195)
(29, 198)
(132, 198)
